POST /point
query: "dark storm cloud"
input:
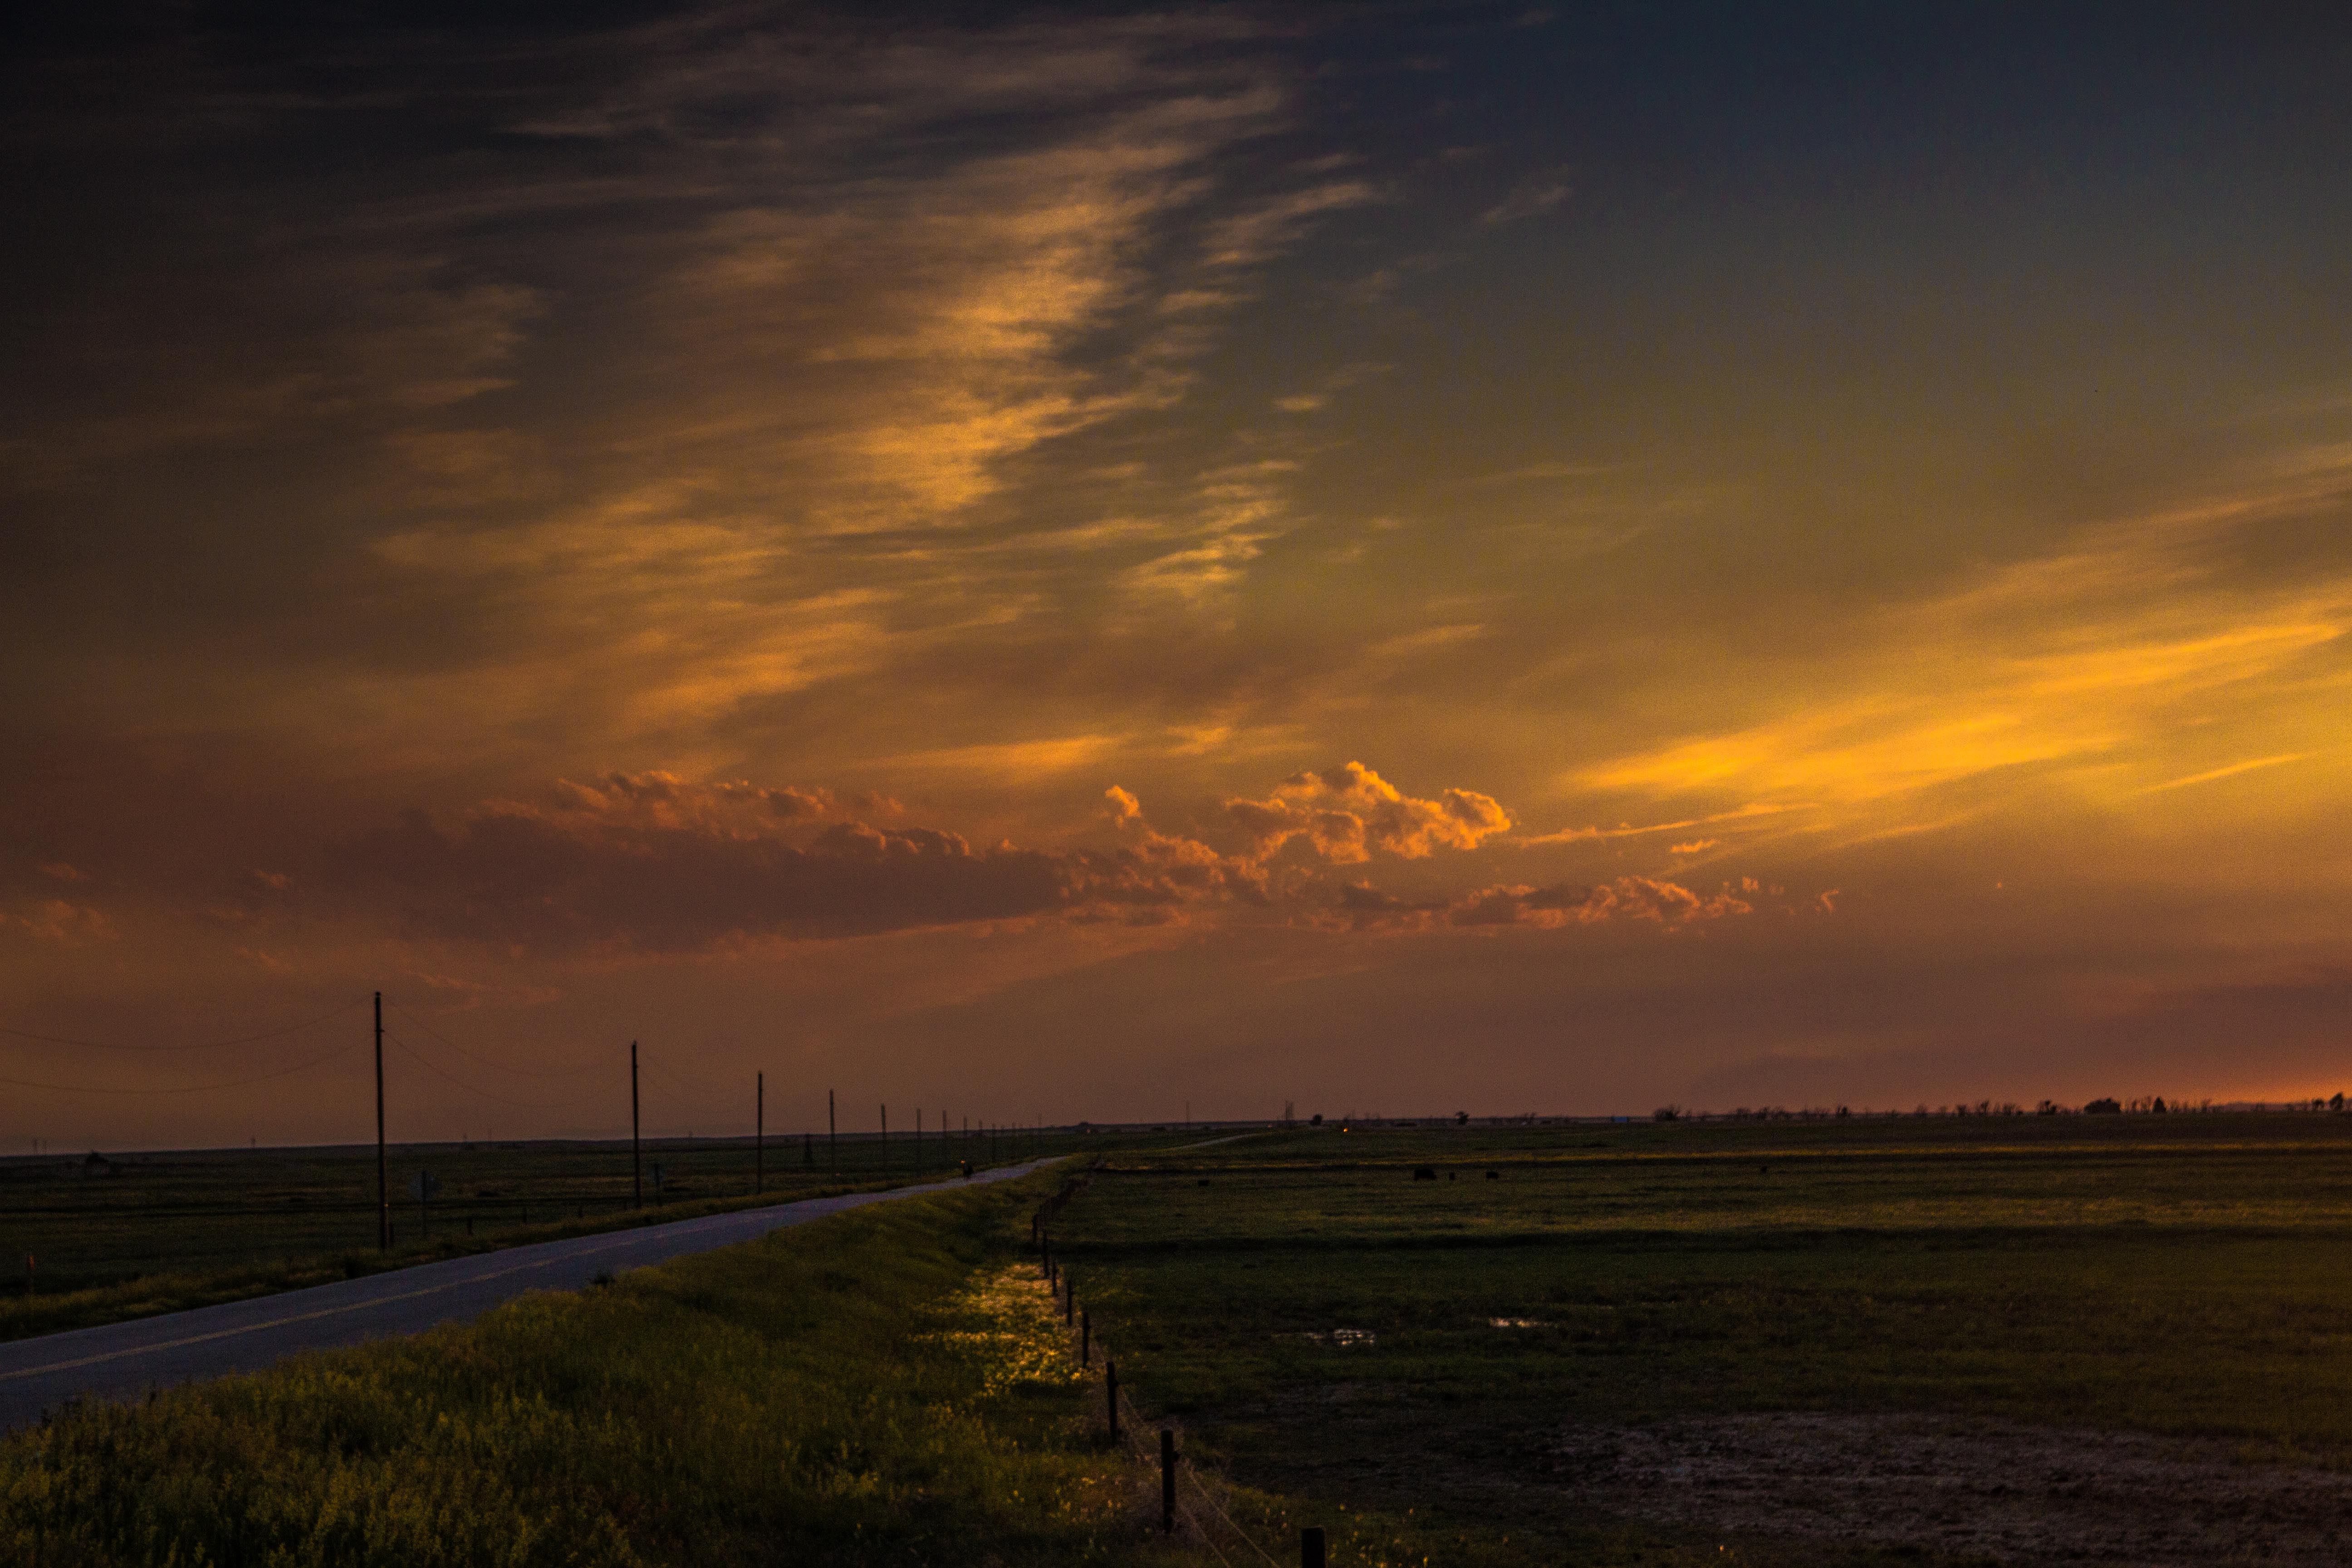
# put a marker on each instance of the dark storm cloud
(519, 878)
(650, 864)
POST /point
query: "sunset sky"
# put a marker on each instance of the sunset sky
(1057, 562)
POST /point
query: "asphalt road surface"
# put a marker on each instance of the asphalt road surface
(122, 1361)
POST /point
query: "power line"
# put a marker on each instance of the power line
(486, 1061)
(441, 1072)
(186, 1088)
(682, 1093)
(679, 1102)
(190, 1046)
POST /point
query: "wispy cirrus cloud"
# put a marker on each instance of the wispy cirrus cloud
(59, 921)
(1533, 197)
(2099, 661)
(627, 475)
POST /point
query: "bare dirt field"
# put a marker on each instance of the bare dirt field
(1993, 1489)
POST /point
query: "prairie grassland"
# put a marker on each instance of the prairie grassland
(875, 1388)
(1401, 1358)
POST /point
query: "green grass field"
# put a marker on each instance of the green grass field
(887, 1386)
(1398, 1357)
(1419, 1365)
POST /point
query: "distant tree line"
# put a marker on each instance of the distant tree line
(2155, 1105)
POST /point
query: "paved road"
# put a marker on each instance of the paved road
(122, 1361)
(1212, 1143)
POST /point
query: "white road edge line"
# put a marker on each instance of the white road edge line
(622, 1240)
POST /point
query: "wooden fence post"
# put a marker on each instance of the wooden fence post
(1311, 1547)
(1110, 1396)
(1167, 1480)
(1086, 1340)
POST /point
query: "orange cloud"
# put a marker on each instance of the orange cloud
(68, 925)
(1345, 814)
(1359, 906)
(1634, 830)
(2142, 657)
(663, 798)
(1627, 897)
(1178, 862)
(652, 863)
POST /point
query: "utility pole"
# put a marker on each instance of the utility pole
(832, 1136)
(759, 1133)
(383, 1191)
(885, 1138)
(636, 1162)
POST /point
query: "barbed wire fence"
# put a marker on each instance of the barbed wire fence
(1128, 1426)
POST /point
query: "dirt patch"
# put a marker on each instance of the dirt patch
(1991, 1490)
